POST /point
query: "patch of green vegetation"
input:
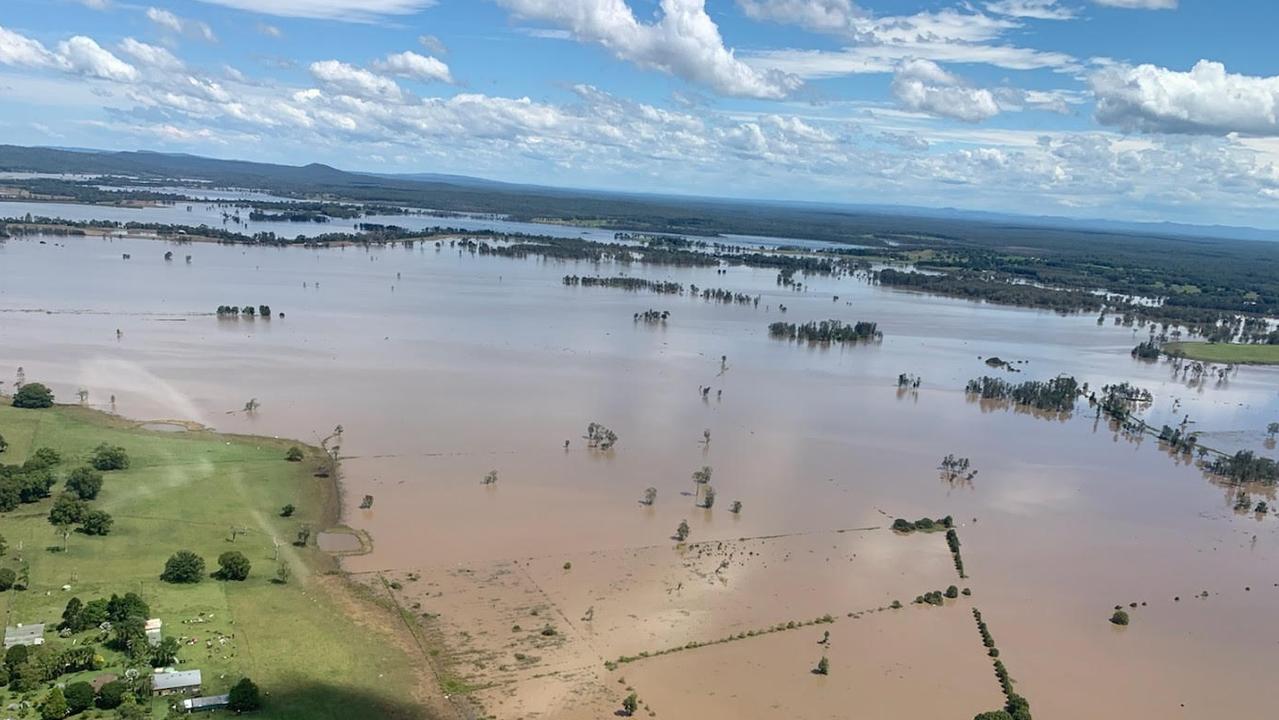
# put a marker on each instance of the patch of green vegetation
(1225, 352)
(196, 491)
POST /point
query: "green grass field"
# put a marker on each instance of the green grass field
(1225, 352)
(315, 648)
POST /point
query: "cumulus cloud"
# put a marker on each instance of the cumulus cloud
(150, 55)
(1206, 100)
(362, 11)
(683, 41)
(20, 50)
(923, 86)
(419, 67)
(355, 81)
(84, 56)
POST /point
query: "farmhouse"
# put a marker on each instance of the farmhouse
(185, 682)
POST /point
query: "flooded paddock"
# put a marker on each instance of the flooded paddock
(442, 367)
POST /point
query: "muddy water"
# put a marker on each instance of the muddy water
(462, 365)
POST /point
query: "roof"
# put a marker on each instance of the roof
(24, 635)
(212, 701)
(175, 680)
(154, 624)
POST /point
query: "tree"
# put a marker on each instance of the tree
(233, 565)
(97, 522)
(252, 405)
(120, 608)
(79, 697)
(708, 497)
(287, 510)
(244, 696)
(490, 478)
(44, 457)
(630, 704)
(54, 706)
(283, 572)
(823, 666)
(183, 566)
(681, 532)
(71, 615)
(109, 457)
(166, 653)
(111, 695)
(67, 510)
(33, 396)
(3, 445)
(85, 482)
(736, 507)
(650, 496)
(1119, 618)
(1272, 429)
(952, 592)
(994, 715)
(7, 578)
(294, 454)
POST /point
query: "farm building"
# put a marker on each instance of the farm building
(24, 635)
(201, 704)
(184, 682)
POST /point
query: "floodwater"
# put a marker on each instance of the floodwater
(442, 366)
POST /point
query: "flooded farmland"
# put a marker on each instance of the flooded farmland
(442, 366)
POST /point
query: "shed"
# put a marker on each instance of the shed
(24, 635)
(153, 630)
(184, 682)
(201, 704)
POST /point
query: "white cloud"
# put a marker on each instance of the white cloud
(166, 20)
(355, 81)
(20, 50)
(150, 55)
(96, 4)
(84, 56)
(922, 86)
(269, 30)
(1205, 100)
(832, 16)
(346, 10)
(1032, 9)
(880, 44)
(433, 44)
(419, 67)
(1140, 4)
(683, 41)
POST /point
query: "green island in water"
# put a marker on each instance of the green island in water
(314, 644)
(1237, 353)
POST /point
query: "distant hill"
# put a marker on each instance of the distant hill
(634, 211)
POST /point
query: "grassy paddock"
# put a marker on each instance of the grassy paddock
(315, 649)
(1225, 352)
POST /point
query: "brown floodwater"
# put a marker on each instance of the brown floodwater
(441, 367)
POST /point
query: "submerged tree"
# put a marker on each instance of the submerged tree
(823, 666)
(681, 532)
(650, 496)
(736, 507)
(600, 437)
(708, 497)
(490, 478)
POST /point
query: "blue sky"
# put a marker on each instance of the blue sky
(1124, 109)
